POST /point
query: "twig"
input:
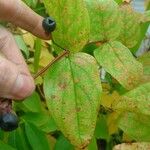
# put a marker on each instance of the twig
(40, 91)
(65, 53)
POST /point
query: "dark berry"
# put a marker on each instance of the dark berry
(8, 121)
(49, 24)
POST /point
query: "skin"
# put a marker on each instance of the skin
(16, 81)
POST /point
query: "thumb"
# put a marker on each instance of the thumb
(13, 84)
(16, 12)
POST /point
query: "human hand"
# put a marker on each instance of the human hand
(16, 81)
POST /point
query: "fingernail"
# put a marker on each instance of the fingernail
(23, 87)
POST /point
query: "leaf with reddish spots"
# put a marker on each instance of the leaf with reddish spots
(136, 126)
(73, 24)
(75, 82)
(130, 31)
(105, 20)
(121, 63)
(137, 100)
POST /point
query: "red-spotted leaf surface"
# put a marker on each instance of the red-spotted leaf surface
(130, 32)
(72, 88)
(136, 126)
(105, 19)
(117, 60)
(73, 25)
(137, 100)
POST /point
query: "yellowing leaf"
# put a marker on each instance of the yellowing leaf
(128, 1)
(29, 39)
(117, 60)
(112, 122)
(73, 24)
(130, 32)
(135, 125)
(72, 88)
(133, 146)
(146, 17)
(103, 15)
(136, 100)
(45, 57)
(145, 60)
(108, 99)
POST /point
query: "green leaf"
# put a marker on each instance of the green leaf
(101, 131)
(73, 91)
(93, 145)
(119, 1)
(89, 48)
(103, 15)
(63, 144)
(33, 103)
(4, 146)
(37, 119)
(136, 126)
(117, 60)
(145, 60)
(146, 16)
(2, 135)
(30, 104)
(42, 120)
(37, 53)
(21, 44)
(31, 3)
(36, 138)
(137, 100)
(144, 28)
(18, 140)
(130, 32)
(72, 20)
(49, 126)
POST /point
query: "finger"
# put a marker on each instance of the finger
(12, 69)
(11, 51)
(18, 13)
(13, 84)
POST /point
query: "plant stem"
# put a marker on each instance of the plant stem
(65, 53)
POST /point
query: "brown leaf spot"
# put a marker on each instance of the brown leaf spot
(53, 96)
(85, 144)
(78, 109)
(76, 81)
(62, 85)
